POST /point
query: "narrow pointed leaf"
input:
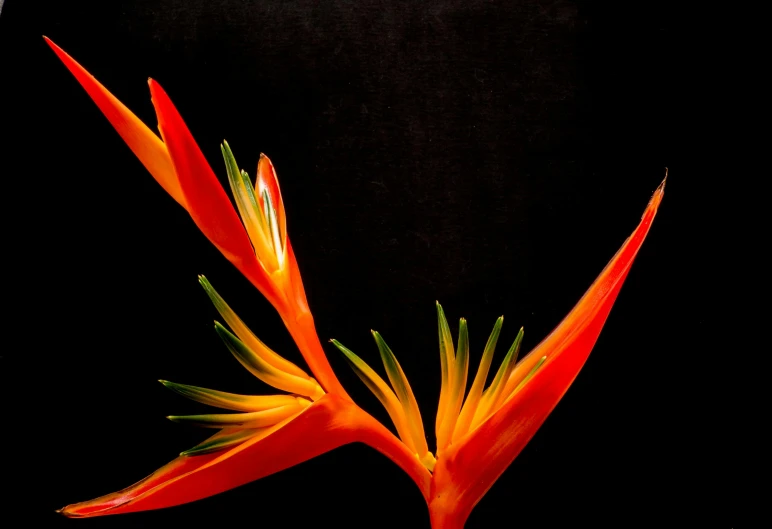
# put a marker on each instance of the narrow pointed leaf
(531, 373)
(447, 359)
(142, 141)
(492, 397)
(404, 393)
(250, 213)
(255, 419)
(475, 392)
(265, 371)
(382, 392)
(226, 438)
(458, 375)
(501, 437)
(230, 401)
(246, 335)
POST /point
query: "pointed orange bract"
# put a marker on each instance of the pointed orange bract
(469, 468)
(208, 204)
(143, 142)
(327, 424)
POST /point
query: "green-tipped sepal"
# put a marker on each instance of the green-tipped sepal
(230, 401)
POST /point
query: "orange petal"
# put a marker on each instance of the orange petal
(208, 204)
(141, 140)
(301, 327)
(328, 423)
(296, 282)
(469, 468)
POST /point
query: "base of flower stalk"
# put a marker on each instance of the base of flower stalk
(442, 517)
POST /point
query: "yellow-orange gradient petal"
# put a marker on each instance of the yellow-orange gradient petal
(327, 424)
(469, 468)
(142, 141)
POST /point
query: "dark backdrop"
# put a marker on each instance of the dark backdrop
(492, 156)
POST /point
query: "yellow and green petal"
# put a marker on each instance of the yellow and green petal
(458, 371)
(254, 362)
(405, 395)
(225, 438)
(254, 419)
(475, 392)
(246, 335)
(382, 392)
(230, 401)
(492, 397)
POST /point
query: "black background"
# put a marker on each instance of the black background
(489, 155)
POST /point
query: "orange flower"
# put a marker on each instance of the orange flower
(479, 432)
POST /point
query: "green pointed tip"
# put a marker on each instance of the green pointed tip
(179, 388)
(229, 338)
(339, 345)
(531, 373)
(204, 282)
(347, 353)
(353, 359)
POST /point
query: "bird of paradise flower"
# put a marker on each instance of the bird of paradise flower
(478, 432)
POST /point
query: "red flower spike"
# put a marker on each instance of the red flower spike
(468, 469)
(141, 140)
(208, 204)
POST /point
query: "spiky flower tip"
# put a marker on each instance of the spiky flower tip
(456, 416)
(259, 415)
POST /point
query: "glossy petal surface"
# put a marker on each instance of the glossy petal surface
(327, 424)
(470, 468)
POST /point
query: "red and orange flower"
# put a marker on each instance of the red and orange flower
(478, 432)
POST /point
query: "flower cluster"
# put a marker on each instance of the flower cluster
(478, 432)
